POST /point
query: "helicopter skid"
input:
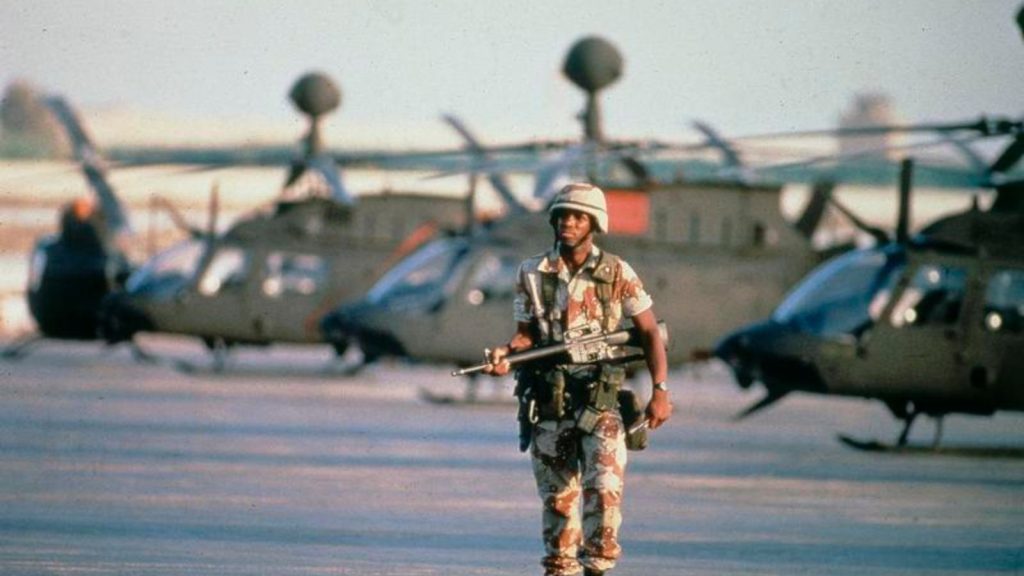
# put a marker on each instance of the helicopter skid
(931, 449)
(21, 347)
(466, 399)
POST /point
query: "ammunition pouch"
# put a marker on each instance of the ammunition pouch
(604, 391)
(632, 413)
(555, 392)
(601, 396)
(547, 388)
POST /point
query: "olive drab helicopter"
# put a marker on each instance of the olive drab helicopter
(931, 323)
(72, 271)
(270, 276)
(722, 244)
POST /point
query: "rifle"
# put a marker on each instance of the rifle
(581, 346)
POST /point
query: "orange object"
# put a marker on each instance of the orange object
(629, 212)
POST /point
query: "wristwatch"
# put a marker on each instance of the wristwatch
(661, 386)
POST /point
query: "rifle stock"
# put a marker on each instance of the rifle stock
(620, 338)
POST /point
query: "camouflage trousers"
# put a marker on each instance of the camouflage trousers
(568, 463)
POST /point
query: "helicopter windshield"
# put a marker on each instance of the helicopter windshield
(171, 267)
(843, 296)
(425, 270)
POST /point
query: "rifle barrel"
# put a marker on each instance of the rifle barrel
(617, 338)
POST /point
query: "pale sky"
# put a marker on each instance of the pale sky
(743, 66)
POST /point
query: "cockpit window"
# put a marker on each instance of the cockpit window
(227, 268)
(845, 295)
(934, 296)
(427, 269)
(493, 277)
(1004, 302)
(175, 265)
(296, 274)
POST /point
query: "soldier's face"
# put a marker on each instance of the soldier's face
(572, 227)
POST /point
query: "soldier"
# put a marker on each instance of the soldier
(578, 446)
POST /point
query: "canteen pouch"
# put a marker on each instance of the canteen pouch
(632, 413)
(603, 395)
(604, 392)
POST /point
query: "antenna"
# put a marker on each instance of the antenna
(903, 221)
(592, 64)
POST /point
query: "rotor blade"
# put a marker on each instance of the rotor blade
(903, 221)
(1010, 156)
(325, 166)
(730, 155)
(92, 165)
(874, 152)
(476, 148)
(636, 169)
(295, 171)
(176, 217)
(551, 175)
(821, 194)
(209, 240)
(972, 157)
(983, 125)
(770, 398)
(213, 212)
(879, 235)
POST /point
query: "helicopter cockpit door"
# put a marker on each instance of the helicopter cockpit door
(290, 290)
(995, 354)
(920, 336)
(219, 299)
(485, 295)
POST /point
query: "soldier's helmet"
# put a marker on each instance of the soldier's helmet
(586, 198)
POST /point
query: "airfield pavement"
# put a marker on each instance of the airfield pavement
(274, 467)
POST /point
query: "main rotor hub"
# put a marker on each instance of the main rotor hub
(593, 63)
(315, 94)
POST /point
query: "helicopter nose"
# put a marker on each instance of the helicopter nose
(774, 354)
(120, 319)
(334, 327)
(369, 324)
(735, 350)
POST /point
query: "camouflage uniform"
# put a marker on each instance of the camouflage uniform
(568, 462)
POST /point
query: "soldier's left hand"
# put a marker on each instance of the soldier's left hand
(497, 365)
(659, 409)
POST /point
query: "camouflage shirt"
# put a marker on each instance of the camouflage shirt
(576, 298)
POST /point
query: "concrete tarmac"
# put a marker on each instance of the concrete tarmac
(275, 467)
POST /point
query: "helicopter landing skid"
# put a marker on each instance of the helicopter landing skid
(143, 356)
(464, 399)
(345, 369)
(926, 449)
(21, 347)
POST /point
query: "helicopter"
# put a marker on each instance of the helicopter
(714, 241)
(930, 324)
(270, 276)
(72, 271)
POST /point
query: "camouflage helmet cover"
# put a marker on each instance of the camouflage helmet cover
(586, 198)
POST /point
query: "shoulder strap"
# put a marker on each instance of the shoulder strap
(548, 290)
(604, 276)
(548, 287)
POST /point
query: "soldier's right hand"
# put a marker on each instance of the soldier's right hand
(497, 365)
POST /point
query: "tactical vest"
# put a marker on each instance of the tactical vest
(605, 273)
(601, 388)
